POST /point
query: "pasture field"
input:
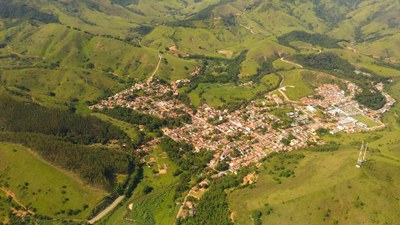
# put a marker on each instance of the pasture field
(296, 86)
(260, 51)
(156, 207)
(367, 121)
(364, 61)
(215, 94)
(281, 65)
(326, 188)
(44, 188)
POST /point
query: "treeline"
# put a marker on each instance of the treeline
(314, 39)
(329, 147)
(152, 123)
(12, 10)
(27, 117)
(333, 64)
(95, 165)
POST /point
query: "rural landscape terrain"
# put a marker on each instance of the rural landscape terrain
(199, 112)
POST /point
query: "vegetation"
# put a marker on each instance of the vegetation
(314, 39)
(152, 123)
(58, 58)
(17, 10)
(213, 207)
(31, 186)
(17, 116)
(335, 65)
(95, 165)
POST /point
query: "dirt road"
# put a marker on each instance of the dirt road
(290, 62)
(155, 71)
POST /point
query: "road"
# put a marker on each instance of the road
(155, 71)
(287, 61)
(107, 210)
(12, 195)
(182, 205)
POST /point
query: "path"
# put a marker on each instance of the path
(183, 204)
(285, 96)
(107, 210)
(155, 71)
(290, 62)
(11, 194)
(248, 28)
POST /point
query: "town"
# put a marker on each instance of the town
(245, 136)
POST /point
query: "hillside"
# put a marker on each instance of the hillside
(67, 106)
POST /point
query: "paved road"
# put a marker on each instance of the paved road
(107, 210)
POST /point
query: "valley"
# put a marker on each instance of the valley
(199, 112)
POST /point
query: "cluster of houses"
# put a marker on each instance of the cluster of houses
(153, 98)
(341, 110)
(247, 134)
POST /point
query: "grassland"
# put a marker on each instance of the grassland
(367, 121)
(156, 207)
(215, 94)
(296, 86)
(41, 186)
(338, 193)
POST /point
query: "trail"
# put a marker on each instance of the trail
(107, 210)
(12, 195)
(290, 62)
(248, 28)
(285, 96)
(156, 70)
(183, 204)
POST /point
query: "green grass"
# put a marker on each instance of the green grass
(215, 94)
(328, 189)
(44, 190)
(157, 207)
(296, 86)
(132, 131)
(281, 65)
(367, 121)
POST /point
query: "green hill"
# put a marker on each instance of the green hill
(60, 56)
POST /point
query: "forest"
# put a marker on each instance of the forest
(152, 123)
(314, 39)
(12, 10)
(27, 117)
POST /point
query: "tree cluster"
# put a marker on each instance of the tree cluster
(26, 117)
(314, 39)
(12, 10)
